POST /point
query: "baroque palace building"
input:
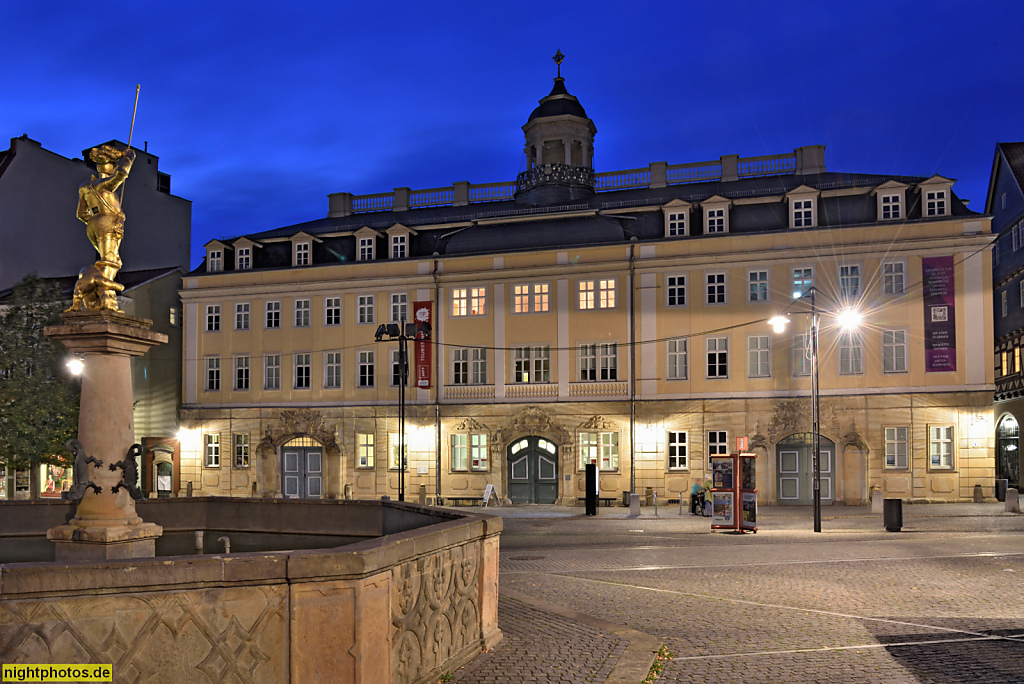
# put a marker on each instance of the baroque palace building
(616, 317)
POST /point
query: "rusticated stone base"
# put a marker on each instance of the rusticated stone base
(76, 542)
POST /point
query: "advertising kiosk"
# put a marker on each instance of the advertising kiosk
(733, 492)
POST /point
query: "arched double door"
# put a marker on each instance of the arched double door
(532, 471)
(794, 467)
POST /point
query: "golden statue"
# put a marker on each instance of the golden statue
(99, 207)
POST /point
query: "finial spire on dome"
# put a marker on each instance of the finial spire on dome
(558, 60)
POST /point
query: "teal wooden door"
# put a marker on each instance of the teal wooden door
(533, 471)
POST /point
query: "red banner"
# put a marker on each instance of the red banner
(422, 312)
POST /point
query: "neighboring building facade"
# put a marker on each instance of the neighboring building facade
(617, 318)
(1005, 203)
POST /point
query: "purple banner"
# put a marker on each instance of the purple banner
(939, 314)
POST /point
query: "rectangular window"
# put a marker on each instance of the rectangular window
(212, 317)
(241, 451)
(896, 447)
(470, 301)
(301, 313)
(460, 366)
(803, 213)
(272, 371)
(365, 308)
(849, 281)
(241, 373)
(718, 443)
(716, 220)
(174, 317)
(540, 297)
(676, 367)
(677, 224)
(212, 373)
(399, 246)
(606, 294)
(332, 310)
(802, 354)
(677, 459)
(365, 364)
(364, 450)
(757, 286)
(598, 361)
(366, 249)
(530, 298)
(940, 446)
(399, 307)
(397, 376)
(243, 258)
(935, 204)
(851, 353)
(759, 360)
(675, 290)
(302, 254)
(478, 367)
(273, 314)
(460, 452)
(891, 207)
(469, 366)
(216, 261)
(521, 298)
(586, 294)
(478, 451)
(395, 463)
(212, 450)
(532, 364)
(894, 351)
(803, 280)
(332, 370)
(477, 301)
(460, 301)
(242, 316)
(302, 371)
(601, 448)
(893, 277)
(718, 357)
(715, 288)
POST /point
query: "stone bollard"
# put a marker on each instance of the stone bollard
(877, 499)
(348, 491)
(634, 505)
(423, 495)
(1012, 500)
(978, 496)
(649, 497)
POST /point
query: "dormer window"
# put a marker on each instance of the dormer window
(215, 260)
(716, 215)
(302, 254)
(399, 246)
(243, 258)
(891, 201)
(366, 249)
(803, 207)
(892, 207)
(716, 220)
(803, 213)
(935, 203)
(677, 218)
(936, 193)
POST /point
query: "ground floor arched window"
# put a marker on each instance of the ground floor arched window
(1008, 450)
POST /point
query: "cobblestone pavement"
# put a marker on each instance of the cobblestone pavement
(942, 601)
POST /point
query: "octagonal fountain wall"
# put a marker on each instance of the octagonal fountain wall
(401, 593)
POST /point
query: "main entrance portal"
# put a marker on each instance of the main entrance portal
(795, 468)
(533, 471)
(302, 469)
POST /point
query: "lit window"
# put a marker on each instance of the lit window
(469, 452)
(601, 448)
(241, 451)
(803, 281)
(477, 301)
(460, 301)
(212, 442)
(364, 442)
(940, 446)
(530, 298)
(586, 292)
(396, 463)
(606, 294)
(896, 447)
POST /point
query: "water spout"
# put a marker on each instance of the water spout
(227, 544)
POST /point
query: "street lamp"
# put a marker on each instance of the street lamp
(849, 319)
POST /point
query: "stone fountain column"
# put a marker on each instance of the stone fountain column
(105, 524)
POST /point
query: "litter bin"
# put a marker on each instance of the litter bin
(1001, 489)
(892, 515)
(625, 499)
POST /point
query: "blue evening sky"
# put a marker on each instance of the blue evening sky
(258, 110)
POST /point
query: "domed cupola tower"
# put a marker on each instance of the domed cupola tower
(559, 149)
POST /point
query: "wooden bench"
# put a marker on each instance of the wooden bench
(464, 500)
(606, 500)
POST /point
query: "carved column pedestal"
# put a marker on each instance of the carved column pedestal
(105, 524)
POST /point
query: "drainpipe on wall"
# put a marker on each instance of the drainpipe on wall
(437, 389)
(632, 371)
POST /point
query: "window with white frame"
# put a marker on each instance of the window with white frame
(241, 373)
(598, 294)
(396, 369)
(215, 261)
(803, 281)
(469, 366)
(332, 370)
(716, 292)
(399, 307)
(332, 310)
(718, 443)
(675, 290)
(399, 246)
(601, 448)
(212, 442)
(892, 207)
(676, 364)
(896, 447)
(851, 353)
(718, 357)
(469, 451)
(893, 277)
(460, 366)
(940, 446)
(303, 371)
(212, 317)
(759, 360)
(598, 361)
(301, 313)
(478, 366)
(366, 248)
(803, 213)
(757, 286)
(302, 253)
(460, 452)
(531, 298)
(364, 308)
(935, 203)
(242, 316)
(460, 301)
(243, 258)
(272, 371)
(477, 301)
(365, 369)
(675, 223)
(212, 373)
(677, 456)
(801, 354)
(715, 220)
(241, 450)
(273, 317)
(531, 364)
(849, 281)
(894, 351)
(364, 450)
